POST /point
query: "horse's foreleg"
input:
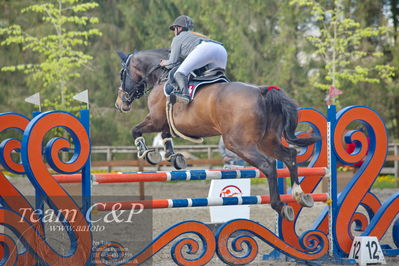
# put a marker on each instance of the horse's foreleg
(141, 147)
(177, 159)
(168, 145)
(139, 141)
(152, 156)
(288, 156)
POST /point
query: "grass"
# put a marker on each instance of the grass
(385, 181)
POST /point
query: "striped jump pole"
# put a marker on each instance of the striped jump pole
(186, 175)
(198, 202)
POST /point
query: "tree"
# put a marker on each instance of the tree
(265, 39)
(339, 42)
(58, 50)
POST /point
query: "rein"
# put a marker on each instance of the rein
(139, 88)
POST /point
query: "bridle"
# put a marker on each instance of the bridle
(139, 88)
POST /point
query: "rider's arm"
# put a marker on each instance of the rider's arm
(174, 52)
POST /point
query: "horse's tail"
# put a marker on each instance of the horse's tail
(278, 104)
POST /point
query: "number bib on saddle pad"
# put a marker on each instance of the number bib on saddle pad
(195, 83)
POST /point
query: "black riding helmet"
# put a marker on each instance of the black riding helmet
(182, 21)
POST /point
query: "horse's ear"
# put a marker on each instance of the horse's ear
(122, 55)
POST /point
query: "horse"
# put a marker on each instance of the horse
(251, 119)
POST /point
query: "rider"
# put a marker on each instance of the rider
(196, 51)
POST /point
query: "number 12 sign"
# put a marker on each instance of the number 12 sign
(366, 250)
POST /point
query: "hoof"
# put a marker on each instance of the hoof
(287, 212)
(178, 161)
(153, 157)
(306, 200)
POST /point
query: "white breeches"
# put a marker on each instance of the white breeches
(206, 53)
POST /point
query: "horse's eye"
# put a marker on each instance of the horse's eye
(121, 73)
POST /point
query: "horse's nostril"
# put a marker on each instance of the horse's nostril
(125, 108)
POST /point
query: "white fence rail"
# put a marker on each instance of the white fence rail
(391, 167)
(111, 150)
(393, 156)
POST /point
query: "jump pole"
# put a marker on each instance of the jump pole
(186, 175)
(198, 202)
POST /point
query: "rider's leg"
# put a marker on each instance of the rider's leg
(205, 53)
(182, 82)
(219, 57)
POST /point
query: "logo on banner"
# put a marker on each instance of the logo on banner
(230, 191)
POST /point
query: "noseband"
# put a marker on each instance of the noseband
(139, 88)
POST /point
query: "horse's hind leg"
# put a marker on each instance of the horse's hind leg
(268, 166)
(288, 156)
(177, 159)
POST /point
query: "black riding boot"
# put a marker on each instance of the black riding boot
(183, 95)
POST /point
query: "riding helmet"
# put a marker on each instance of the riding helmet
(182, 21)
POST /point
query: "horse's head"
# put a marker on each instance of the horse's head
(139, 70)
(133, 82)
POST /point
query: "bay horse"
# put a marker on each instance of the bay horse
(252, 120)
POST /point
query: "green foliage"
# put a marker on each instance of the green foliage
(68, 103)
(62, 103)
(338, 40)
(387, 181)
(58, 48)
(265, 39)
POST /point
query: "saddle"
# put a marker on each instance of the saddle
(196, 79)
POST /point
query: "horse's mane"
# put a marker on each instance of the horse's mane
(155, 53)
(152, 58)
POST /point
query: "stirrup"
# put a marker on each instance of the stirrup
(181, 98)
(175, 97)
